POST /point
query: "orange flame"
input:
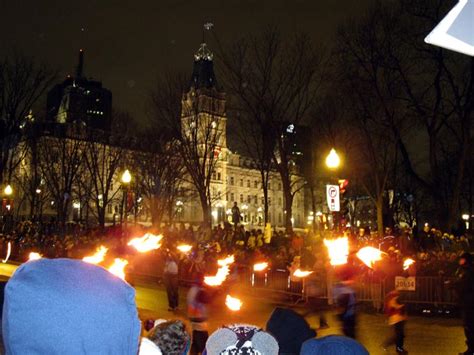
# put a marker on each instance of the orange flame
(227, 261)
(222, 272)
(301, 273)
(146, 243)
(260, 266)
(407, 263)
(234, 304)
(34, 256)
(338, 250)
(98, 257)
(184, 248)
(369, 255)
(118, 268)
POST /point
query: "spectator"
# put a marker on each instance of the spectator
(241, 339)
(290, 330)
(64, 306)
(332, 345)
(166, 337)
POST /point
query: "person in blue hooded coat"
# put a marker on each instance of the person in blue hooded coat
(65, 306)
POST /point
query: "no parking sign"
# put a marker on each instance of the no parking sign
(332, 193)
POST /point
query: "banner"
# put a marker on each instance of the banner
(405, 283)
(332, 193)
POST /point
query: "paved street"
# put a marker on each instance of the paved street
(424, 335)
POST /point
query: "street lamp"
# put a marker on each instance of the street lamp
(332, 160)
(8, 190)
(126, 179)
(8, 203)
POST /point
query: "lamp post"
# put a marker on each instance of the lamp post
(126, 179)
(8, 207)
(333, 162)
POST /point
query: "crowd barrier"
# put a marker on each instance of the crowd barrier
(426, 289)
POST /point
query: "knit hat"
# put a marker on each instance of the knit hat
(65, 306)
(171, 337)
(290, 330)
(333, 345)
(241, 339)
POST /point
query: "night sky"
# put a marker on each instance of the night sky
(128, 43)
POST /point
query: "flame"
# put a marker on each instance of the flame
(260, 266)
(98, 257)
(301, 273)
(34, 256)
(227, 261)
(222, 272)
(338, 250)
(369, 255)
(184, 248)
(9, 252)
(234, 304)
(407, 263)
(219, 277)
(118, 268)
(146, 243)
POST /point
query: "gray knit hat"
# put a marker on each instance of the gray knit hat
(241, 339)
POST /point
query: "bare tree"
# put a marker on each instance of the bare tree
(162, 174)
(60, 160)
(434, 89)
(275, 80)
(102, 160)
(197, 123)
(22, 83)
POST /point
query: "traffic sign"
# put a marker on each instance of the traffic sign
(332, 193)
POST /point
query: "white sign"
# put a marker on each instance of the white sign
(332, 193)
(405, 283)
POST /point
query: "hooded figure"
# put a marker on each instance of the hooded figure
(65, 306)
(290, 330)
(333, 345)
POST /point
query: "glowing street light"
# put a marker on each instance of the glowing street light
(8, 190)
(332, 160)
(126, 177)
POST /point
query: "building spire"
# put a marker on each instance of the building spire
(80, 64)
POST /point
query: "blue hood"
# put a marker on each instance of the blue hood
(64, 306)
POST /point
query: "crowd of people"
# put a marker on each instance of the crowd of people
(434, 254)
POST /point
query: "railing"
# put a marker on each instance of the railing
(428, 290)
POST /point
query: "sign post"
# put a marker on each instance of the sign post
(332, 194)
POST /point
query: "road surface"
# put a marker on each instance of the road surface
(423, 335)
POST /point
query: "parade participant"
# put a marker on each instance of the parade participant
(397, 317)
(314, 294)
(290, 330)
(465, 289)
(65, 306)
(171, 281)
(166, 337)
(241, 339)
(332, 345)
(198, 298)
(345, 300)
